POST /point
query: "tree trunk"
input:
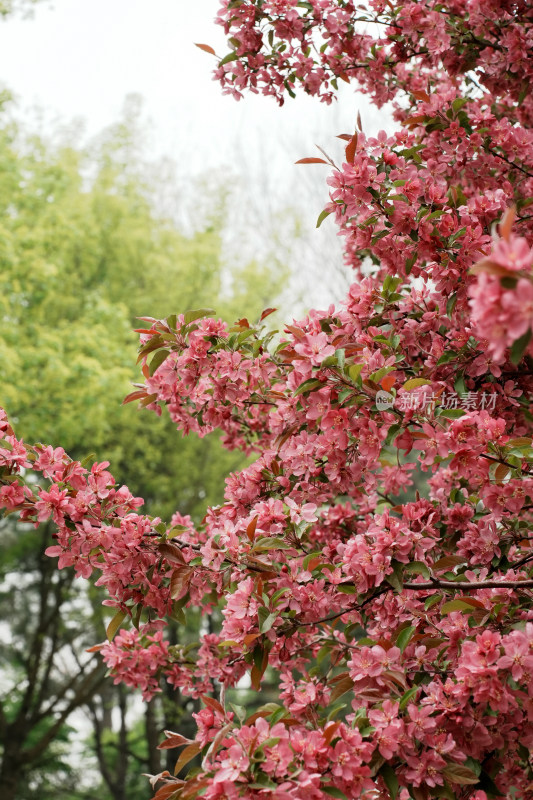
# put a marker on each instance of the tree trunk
(153, 737)
(10, 773)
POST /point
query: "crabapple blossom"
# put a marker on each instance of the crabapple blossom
(375, 560)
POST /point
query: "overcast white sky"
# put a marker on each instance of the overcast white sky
(81, 58)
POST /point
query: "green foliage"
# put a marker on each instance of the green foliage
(9, 7)
(82, 254)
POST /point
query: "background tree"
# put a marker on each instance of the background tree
(83, 252)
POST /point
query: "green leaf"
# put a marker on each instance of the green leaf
(115, 624)
(158, 359)
(443, 791)
(474, 765)
(409, 694)
(452, 413)
(229, 57)
(279, 593)
(404, 637)
(450, 305)
(452, 239)
(308, 386)
(419, 568)
(333, 792)
(458, 103)
(322, 216)
(395, 578)
(271, 543)
(268, 622)
(197, 313)
(518, 347)
(341, 358)
(391, 781)
(508, 282)
(354, 370)
(488, 786)
(446, 357)
(455, 605)
(430, 601)
(84, 463)
(380, 373)
(414, 383)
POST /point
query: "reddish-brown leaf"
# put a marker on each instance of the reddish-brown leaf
(388, 382)
(176, 740)
(419, 792)
(256, 678)
(448, 562)
(148, 399)
(298, 333)
(501, 471)
(252, 718)
(179, 582)
(312, 160)
(458, 773)
(171, 552)
(132, 396)
(507, 222)
(206, 48)
(351, 149)
(342, 686)
(330, 730)
(266, 313)
(193, 787)
(314, 562)
(250, 530)
(414, 119)
(167, 791)
(491, 268)
(421, 96)
(212, 703)
(187, 755)
(471, 601)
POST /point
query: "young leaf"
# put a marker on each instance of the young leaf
(179, 582)
(458, 773)
(115, 624)
(206, 48)
(311, 160)
(187, 755)
(322, 216)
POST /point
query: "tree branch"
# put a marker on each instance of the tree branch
(466, 585)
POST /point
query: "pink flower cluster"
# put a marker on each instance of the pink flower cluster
(376, 556)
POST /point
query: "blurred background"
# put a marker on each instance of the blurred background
(128, 186)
